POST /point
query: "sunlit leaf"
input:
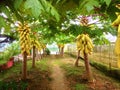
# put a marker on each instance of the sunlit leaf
(2, 22)
(7, 29)
(35, 7)
(17, 3)
(55, 14)
(107, 2)
(50, 9)
(5, 10)
(88, 5)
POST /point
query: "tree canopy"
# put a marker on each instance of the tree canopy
(50, 17)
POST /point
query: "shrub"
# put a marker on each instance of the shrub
(10, 51)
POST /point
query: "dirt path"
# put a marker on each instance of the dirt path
(59, 81)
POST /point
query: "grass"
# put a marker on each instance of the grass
(112, 72)
(74, 75)
(42, 65)
(104, 71)
(12, 85)
(3, 62)
(72, 70)
(81, 87)
(58, 62)
(11, 71)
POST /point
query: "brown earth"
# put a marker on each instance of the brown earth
(59, 80)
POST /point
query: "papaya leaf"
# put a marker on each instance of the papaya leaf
(107, 2)
(2, 22)
(55, 14)
(5, 10)
(17, 3)
(50, 9)
(58, 1)
(7, 29)
(88, 5)
(34, 6)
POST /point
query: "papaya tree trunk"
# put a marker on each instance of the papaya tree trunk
(40, 55)
(87, 66)
(34, 55)
(37, 55)
(24, 66)
(77, 60)
(44, 52)
(62, 51)
(59, 50)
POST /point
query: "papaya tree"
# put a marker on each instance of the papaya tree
(35, 10)
(35, 45)
(26, 11)
(61, 39)
(83, 31)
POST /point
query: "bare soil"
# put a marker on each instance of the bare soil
(59, 81)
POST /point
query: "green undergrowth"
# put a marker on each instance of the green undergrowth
(11, 79)
(58, 61)
(72, 70)
(2, 62)
(13, 85)
(15, 70)
(80, 87)
(112, 72)
(41, 65)
(74, 75)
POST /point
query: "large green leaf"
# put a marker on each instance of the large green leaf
(2, 22)
(111, 12)
(7, 29)
(107, 2)
(17, 3)
(88, 5)
(55, 14)
(5, 10)
(35, 7)
(50, 9)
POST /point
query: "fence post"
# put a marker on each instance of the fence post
(109, 56)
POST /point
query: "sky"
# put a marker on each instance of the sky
(110, 37)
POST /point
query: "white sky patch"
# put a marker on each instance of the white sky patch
(90, 21)
(2, 14)
(110, 37)
(2, 30)
(74, 22)
(53, 48)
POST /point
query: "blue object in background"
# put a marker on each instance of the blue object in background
(3, 46)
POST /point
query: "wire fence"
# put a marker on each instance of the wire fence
(102, 53)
